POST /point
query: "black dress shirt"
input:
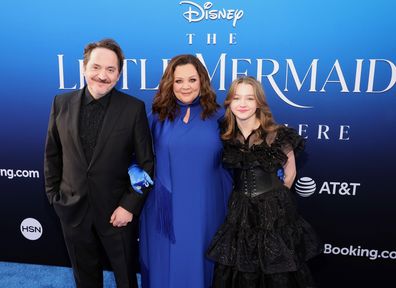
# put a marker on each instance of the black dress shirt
(92, 113)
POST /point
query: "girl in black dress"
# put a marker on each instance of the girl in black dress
(264, 242)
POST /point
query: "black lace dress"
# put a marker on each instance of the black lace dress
(264, 242)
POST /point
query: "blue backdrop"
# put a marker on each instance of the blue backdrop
(328, 68)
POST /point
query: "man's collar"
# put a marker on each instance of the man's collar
(88, 98)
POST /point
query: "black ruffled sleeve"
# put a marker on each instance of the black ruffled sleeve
(232, 154)
(288, 139)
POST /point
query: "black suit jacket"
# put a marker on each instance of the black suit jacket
(72, 184)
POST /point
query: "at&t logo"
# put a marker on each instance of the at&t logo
(31, 229)
(306, 186)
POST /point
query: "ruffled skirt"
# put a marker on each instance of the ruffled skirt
(263, 243)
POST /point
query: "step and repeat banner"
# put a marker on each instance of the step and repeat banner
(328, 69)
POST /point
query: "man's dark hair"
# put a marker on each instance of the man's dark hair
(108, 44)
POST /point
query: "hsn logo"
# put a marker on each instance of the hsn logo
(31, 229)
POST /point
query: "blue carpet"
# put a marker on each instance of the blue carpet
(16, 275)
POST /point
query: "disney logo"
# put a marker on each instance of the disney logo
(196, 13)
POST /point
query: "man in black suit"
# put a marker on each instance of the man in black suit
(93, 136)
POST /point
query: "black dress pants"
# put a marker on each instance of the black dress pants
(84, 247)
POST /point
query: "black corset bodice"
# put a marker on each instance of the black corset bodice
(256, 160)
(255, 181)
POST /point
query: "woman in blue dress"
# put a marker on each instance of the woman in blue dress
(191, 188)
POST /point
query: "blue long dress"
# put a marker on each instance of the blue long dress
(187, 204)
